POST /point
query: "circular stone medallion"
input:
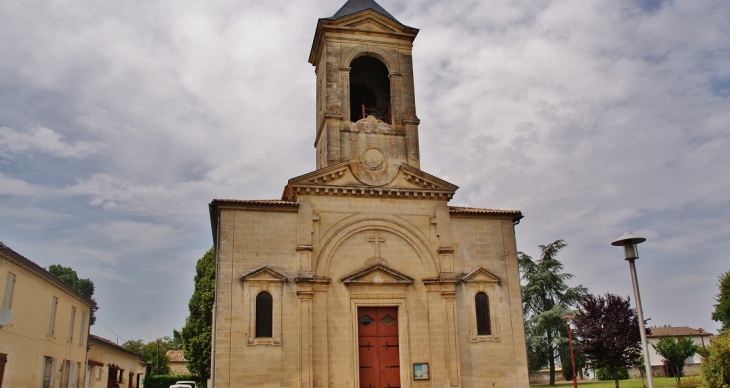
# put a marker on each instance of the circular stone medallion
(373, 158)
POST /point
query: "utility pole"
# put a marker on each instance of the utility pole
(157, 364)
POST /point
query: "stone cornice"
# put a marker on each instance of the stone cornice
(369, 192)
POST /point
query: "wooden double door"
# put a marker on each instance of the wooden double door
(377, 333)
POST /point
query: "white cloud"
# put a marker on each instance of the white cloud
(45, 141)
(591, 117)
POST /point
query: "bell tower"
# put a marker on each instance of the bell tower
(366, 110)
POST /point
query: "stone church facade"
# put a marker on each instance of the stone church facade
(362, 275)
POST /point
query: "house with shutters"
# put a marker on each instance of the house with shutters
(110, 365)
(362, 274)
(44, 324)
(700, 337)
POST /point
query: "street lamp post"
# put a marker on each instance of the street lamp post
(629, 242)
(568, 317)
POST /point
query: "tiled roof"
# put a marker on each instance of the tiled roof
(96, 338)
(476, 210)
(355, 6)
(176, 356)
(676, 331)
(42, 272)
(261, 202)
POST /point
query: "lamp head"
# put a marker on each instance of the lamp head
(629, 241)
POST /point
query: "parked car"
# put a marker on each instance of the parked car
(179, 386)
(186, 384)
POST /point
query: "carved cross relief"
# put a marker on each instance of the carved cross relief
(377, 239)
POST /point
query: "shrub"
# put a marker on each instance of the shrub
(716, 368)
(605, 374)
(690, 382)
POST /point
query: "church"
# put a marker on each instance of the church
(362, 275)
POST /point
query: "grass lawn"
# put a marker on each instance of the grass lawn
(659, 382)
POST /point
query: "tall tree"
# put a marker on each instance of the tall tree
(675, 352)
(198, 329)
(546, 297)
(154, 353)
(84, 286)
(608, 329)
(722, 308)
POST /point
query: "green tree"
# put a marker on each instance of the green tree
(198, 329)
(716, 367)
(675, 352)
(154, 353)
(722, 308)
(84, 286)
(609, 331)
(546, 298)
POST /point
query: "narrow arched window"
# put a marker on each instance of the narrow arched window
(264, 310)
(481, 301)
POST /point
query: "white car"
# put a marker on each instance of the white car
(185, 384)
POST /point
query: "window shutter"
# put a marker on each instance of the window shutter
(9, 287)
(51, 328)
(82, 326)
(71, 325)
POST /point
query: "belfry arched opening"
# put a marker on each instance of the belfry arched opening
(369, 90)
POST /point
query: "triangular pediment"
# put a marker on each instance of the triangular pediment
(411, 177)
(335, 175)
(339, 179)
(264, 274)
(377, 274)
(369, 23)
(480, 275)
(368, 17)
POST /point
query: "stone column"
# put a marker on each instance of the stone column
(305, 298)
(451, 334)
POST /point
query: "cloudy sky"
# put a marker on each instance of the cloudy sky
(121, 120)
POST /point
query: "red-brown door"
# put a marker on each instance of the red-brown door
(377, 332)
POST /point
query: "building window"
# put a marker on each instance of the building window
(481, 302)
(82, 325)
(8, 296)
(52, 323)
(264, 311)
(3, 361)
(49, 371)
(71, 325)
(65, 373)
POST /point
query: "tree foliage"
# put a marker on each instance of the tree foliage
(675, 352)
(70, 277)
(609, 331)
(154, 353)
(197, 332)
(546, 298)
(722, 308)
(716, 368)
